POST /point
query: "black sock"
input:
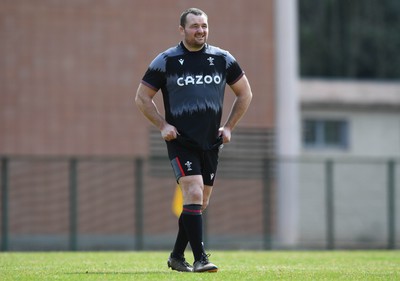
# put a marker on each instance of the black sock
(193, 222)
(181, 240)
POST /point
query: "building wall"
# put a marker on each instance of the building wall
(371, 133)
(360, 203)
(360, 173)
(70, 69)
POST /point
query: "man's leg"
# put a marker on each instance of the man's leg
(177, 258)
(181, 239)
(206, 196)
(192, 189)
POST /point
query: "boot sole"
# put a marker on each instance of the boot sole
(212, 270)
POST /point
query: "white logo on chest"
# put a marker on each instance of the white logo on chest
(198, 80)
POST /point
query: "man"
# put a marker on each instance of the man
(192, 77)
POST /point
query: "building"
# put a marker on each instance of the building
(351, 131)
(68, 78)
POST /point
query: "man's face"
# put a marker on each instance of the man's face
(195, 31)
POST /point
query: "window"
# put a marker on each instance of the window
(325, 133)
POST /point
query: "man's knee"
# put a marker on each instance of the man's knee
(192, 189)
(194, 195)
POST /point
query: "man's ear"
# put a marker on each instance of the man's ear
(181, 30)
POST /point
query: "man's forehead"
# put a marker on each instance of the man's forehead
(191, 19)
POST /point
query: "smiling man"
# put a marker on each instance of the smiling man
(192, 77)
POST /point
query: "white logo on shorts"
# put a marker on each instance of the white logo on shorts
(212, 176)
(188, 165)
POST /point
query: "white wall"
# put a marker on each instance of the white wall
(372, 133)
(375, 134)
(360, 181)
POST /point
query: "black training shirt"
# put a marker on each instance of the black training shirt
(193, 86)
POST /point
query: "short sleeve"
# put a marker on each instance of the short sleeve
(233, 69)
(155, 74)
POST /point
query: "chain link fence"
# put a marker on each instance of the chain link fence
(120, 204)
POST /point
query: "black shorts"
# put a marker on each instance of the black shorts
(188, 162)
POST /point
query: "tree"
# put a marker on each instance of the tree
(350, 39)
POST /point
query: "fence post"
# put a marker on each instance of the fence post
(267, 210)
(4, 204)
(329, 201)
(73, 205)
(391, 205)
(139, 203)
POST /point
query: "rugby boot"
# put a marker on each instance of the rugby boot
(179, 264)
(204, 265)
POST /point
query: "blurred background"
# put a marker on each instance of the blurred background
(314, 164)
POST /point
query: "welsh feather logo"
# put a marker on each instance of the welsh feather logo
(188, 165)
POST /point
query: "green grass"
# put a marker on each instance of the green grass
(234, 265)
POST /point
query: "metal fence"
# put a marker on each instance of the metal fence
(84, 203)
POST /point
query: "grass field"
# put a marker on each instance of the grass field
(234, 265)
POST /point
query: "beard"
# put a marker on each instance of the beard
(196, 43)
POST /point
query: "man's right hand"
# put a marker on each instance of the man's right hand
(169, 132)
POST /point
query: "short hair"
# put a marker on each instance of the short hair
(194, 11)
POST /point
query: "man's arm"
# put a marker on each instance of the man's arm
(144, 101)
(243, 93)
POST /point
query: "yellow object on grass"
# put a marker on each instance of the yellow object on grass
(177, 203)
